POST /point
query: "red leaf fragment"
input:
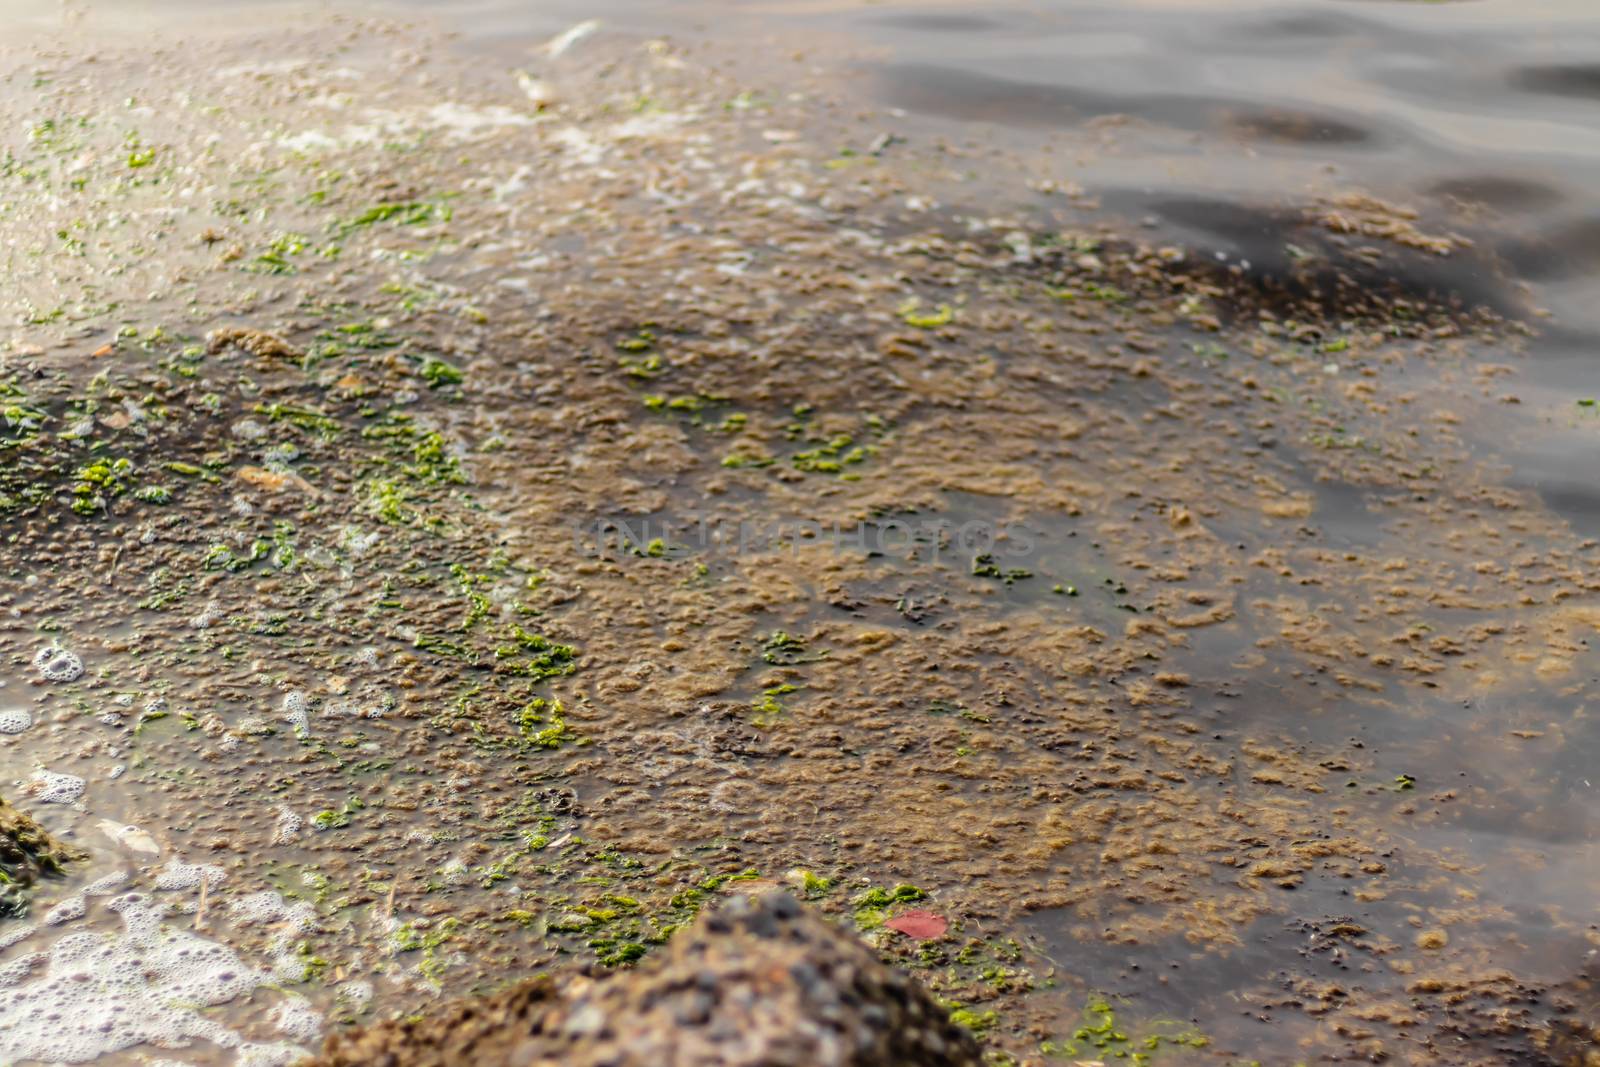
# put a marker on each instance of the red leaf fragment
(919, 925)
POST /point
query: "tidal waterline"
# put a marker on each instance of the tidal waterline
(1275, 747)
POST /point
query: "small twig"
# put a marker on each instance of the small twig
(200, 909)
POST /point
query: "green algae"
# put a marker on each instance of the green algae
(535, 656)
(1100, 1034)
(831, 456)
(27, 853)
(437, 373)
(321, 423)
(99, 483)
(769, 707)
(979, 1022)
(874, 905)
(386, 500)
(984, 566)
(747, 456)
(337, 818)
(542, 724)
(693, 409)
(403, 213)
(942, 316)
(783, 649)
(811, 886)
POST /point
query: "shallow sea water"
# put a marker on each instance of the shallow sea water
(1267, 327)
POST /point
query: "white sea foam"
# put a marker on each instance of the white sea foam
(58, 664)
(65, 912)
(48, 787)
(296, 1017)
(102, 992)
(177, 875)
(288, 826)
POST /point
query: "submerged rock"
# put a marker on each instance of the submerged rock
(757, 983)
(26, 853)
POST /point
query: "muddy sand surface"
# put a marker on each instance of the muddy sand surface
(460, 522)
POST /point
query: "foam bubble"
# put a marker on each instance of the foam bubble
(177, 875)
(11, 937)
(296, 712)
(288, 827)
(249, 430)
(48, 787)
(65, 912)
(103, 886)
(296, 1017)
(288, 965)
(268, 906)
(15, 720)
(368, 702)
(20, 968)
(103, 992)
(356, 993)
(277, 1055)
(57, 664)
(359, 542)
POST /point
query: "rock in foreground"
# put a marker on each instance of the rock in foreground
(757, 983)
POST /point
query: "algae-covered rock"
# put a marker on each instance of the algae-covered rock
(756, 983)
(26, 853)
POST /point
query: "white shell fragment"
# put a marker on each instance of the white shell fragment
(130, 837)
